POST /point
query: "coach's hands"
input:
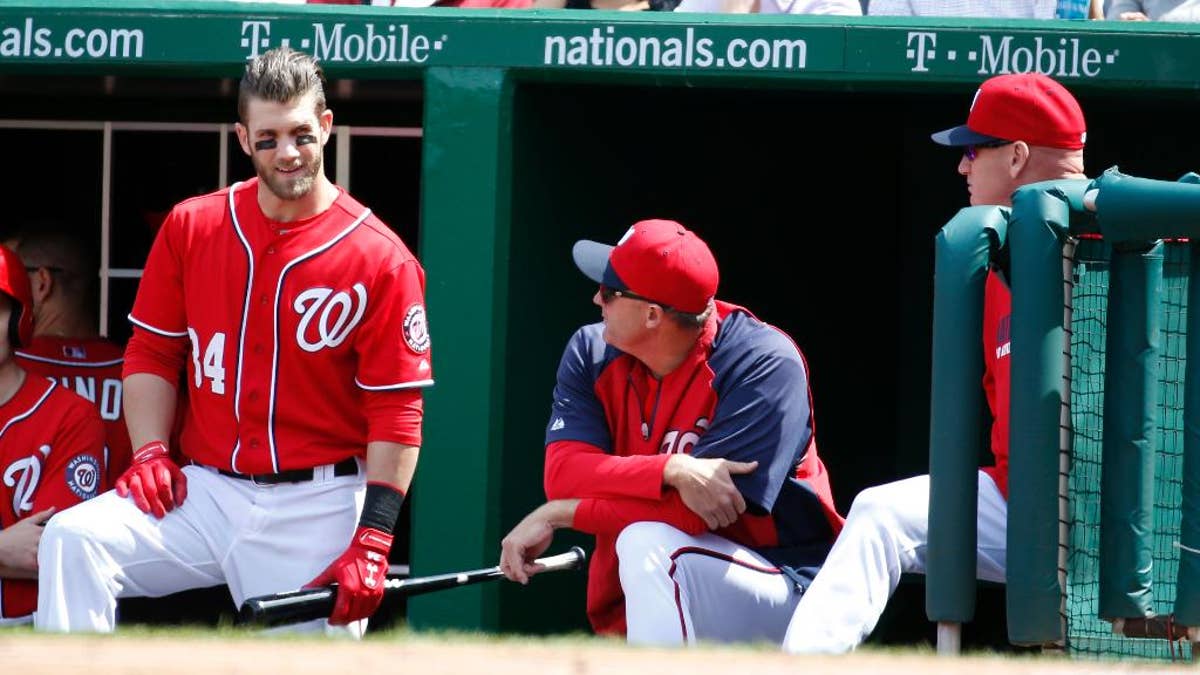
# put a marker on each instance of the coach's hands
(706, 486)
(153, 481)
(360, 573)
(532, 536)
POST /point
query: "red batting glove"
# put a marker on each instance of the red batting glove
(360, 573)
(153, 481)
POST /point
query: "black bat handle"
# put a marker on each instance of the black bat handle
(305, 604)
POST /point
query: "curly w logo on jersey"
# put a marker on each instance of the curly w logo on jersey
(23, 476)
(328, 317)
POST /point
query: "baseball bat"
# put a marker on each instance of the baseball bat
(307, 604)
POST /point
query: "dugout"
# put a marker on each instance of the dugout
(798, 146)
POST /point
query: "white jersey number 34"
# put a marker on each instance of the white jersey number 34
(212, 366)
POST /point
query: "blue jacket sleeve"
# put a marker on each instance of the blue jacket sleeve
(762, 415)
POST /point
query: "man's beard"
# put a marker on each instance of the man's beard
(292, 187)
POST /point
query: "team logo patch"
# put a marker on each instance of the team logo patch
(83, 476)
(416, 329)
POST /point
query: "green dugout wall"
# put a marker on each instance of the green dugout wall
(798, 146)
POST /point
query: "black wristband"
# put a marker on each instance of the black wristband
(381, 507)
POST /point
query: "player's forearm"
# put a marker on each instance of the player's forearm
(391, 463)
(18, 558)
(149, 402)
(559, 513)
(7, 572)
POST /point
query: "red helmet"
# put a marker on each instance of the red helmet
(14, 282)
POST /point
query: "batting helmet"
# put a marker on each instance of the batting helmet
(14, 282)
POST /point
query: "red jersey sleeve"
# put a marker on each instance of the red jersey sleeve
(74, 470)
(575, 469)
(394, 416)
(393, 342)
(158, 306)
(610, 516)
(159, 346)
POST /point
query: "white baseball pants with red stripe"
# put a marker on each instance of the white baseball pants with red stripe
(683, 589)
(257, 539)
(886, 534)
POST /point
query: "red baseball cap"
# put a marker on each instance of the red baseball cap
(659, 260)
(1028, 107)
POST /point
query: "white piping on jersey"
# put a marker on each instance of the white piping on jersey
(403, 385)
(152, 329)
(275, 352)
(237, 386)
(77, 364)
(32, 409)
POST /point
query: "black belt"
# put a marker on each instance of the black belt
(346, 467)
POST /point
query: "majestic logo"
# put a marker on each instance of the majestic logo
(416, 329)
(23, 476)
(558, 425)
(83, 476)
(682, 442)
(333, 314)
(1004, 337)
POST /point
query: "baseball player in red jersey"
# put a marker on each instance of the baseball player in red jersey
(1022, 129)
(66, 345)
(299, 320)
(682, 437)
(51, 449)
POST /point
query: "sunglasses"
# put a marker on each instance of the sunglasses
(607, 294)
(972, 151)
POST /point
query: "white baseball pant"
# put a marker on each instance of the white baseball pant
(257, 539)
(886, 534)
(681, 589)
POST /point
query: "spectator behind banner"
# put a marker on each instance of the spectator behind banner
(999, 9)
(67, 346)
(476, 4)
(1186, 11)
(828, 7)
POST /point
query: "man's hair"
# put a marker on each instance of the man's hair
(64, 253)
(688, 320)
(281, 75)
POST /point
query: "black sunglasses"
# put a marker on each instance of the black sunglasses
(972, 151)
(607, 294)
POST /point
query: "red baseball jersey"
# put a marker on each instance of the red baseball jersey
(51, 454)
(997, 344)
(92, 369)
(741, 394)
(291, 326)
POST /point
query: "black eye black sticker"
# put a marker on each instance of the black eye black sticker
(265, 144)
(305, 139)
